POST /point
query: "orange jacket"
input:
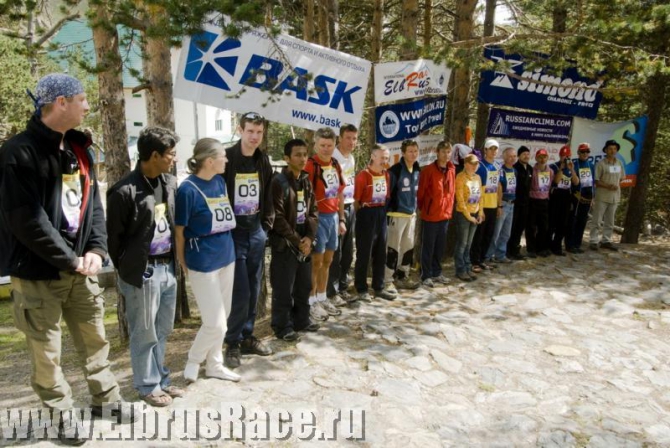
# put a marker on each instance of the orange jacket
(435, 197)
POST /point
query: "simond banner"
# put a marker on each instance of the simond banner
(528, 126)
(397, 122)
(629, 134)
(567, 94)
(284, 78)
(408, 80)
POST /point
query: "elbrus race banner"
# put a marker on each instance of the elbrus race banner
(287, 80)
(528, 126)
(629, 134)
(408, 80)
(397, 122)
(427, 146)
(512, 85)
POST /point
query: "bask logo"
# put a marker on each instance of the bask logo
(210, 64)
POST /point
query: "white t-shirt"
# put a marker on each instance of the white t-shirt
(348, 165)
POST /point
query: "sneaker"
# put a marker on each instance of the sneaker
(122, 410)
(252, 346)
(609, 245)
(390, 287)
(191, 372)
(232, 356)
(385, 294)
(289, 336)
(503, 260)
(428, 283)
(364, 297)
(337, 301)
(472, 275)
(441, 279)
(68, 433)
(350, 298)
(593, 246)
(464, 277)
(330, 308)
(312, 327)
(407, 283)
(221, 373)
(317, 312)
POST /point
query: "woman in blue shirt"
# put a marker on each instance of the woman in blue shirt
(203, 222)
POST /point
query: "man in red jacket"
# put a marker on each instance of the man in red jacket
(436, 202)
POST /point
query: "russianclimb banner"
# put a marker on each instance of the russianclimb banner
(510, 84)
(397, 122)
(408, 80)
(286, 79)
(629, 134)
(511, 124)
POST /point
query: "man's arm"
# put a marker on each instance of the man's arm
(117, 218)
(281, 226)
(97, 241)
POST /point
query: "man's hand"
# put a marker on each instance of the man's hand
(500, 212)
(343, 228)
(90, 264)
(305, 246)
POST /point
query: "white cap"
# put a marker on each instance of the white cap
(490, 142)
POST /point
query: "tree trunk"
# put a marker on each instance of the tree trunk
(324, 28)
(409, 25)
(655, 101)
(427, 24)
(308, 25)
(334, 24)
(112, 114)
(158, 72)
(375, 55)
(483, 108)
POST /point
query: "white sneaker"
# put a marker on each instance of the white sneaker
(428, 283)
(390, 287)
(222, 373)
(441, 279)
(364, 297)
(317, 312)
(191, 372)
(330, 308)
(337, 301)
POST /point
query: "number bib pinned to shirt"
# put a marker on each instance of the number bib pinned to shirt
(585, 177)
(332, 181)
(300, 219)
(510, 178)
(162, 240)
(71, 200)
(223, 218)
(543, 181)
(492, 178)
(564, 183)
(614, 169)
(350, 176)
(247, 194)
(378, 189)
(475, 191)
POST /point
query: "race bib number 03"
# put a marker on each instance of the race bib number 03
(247, 194)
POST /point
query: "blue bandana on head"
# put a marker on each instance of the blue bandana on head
(52, 86)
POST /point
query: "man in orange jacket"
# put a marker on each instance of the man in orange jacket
(436, 202)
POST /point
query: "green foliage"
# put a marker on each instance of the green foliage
(15, 78)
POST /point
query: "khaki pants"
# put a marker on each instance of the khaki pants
(38, 308)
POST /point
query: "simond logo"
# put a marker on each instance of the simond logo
(209, 64)
(499, 126)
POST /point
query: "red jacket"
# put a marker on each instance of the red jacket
(435, 197)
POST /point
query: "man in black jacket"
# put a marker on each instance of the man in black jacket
(140, 225)
(248, 175)
(524, 174)
(52, 244)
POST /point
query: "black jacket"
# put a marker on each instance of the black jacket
(284, 188)
(131, 222)
(524, 176)
(396, 171)
(32, 244)
(234, 155)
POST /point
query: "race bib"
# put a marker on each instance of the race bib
(71, 200)
(350, 177)
(585, 178)
(223, 218)
(378, 189)
(492, 178)
(332, 181)
(247, 194)
(510, 178)
(543, 181)
(301, 208)
(162, 240)
(475, 191)
(614, 169)
(564, 183)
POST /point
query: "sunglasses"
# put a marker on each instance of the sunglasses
(584, 152)
(253, 116)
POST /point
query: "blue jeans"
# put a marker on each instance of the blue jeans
(150, 314)
(465, 232)
(433, 241)
(250, 254)
(501, 233)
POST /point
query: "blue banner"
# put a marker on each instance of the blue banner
(528, 126)
(537, 89)
(397, 122)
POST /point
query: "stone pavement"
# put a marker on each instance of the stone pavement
(556, 352)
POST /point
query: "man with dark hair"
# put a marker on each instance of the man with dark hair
(293, 233)
(52, 245)
(524, 176)
(581, 198)
(609, 174)
(248, 176)
(140, 228)
(343, 257)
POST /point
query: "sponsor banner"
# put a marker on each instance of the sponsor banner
(534, 146)
(528, 126)
(575, 96)
(286, 79)
(408, 80)
(397, 122)
(427, 147)
(629, 134)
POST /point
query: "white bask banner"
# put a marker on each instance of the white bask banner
(287, 80)
(410, 80)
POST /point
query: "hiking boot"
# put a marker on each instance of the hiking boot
(252, 346)
(232, 357)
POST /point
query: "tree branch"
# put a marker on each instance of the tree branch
(54, 29)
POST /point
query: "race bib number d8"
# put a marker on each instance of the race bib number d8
(332, 181)
(71, 200)
(247, 194)
(223, 218)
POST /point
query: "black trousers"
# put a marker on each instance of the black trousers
(343, 257)
(519, 225)
(483, 236)
(537, 237)
(560, 206)
(580, 216)
(370, 247)
(291, 285)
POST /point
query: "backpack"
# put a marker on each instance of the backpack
(318, 171)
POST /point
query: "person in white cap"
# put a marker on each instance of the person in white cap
(489, 172)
